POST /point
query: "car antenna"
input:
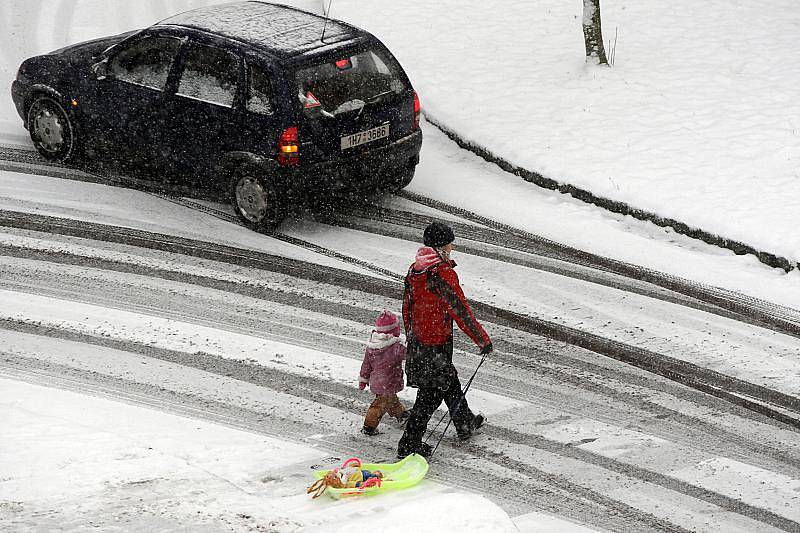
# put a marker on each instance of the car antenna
(327, 17)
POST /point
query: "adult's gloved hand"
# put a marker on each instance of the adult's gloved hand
(486, 350)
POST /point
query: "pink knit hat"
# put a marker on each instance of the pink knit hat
(387, 322)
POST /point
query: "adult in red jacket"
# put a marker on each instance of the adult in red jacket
(433, 299)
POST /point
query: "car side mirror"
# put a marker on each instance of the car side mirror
(100, 69)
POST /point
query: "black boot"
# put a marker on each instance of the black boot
(465, 432)
(404, 449)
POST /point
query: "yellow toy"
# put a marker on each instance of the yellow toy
(349, 476)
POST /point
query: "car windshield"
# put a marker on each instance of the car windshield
(348, 82)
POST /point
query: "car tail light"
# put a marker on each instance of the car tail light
(289, 147)
(416, 111)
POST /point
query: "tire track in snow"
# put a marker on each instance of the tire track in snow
(667, 287)
(609, 381)
(322, 398)
(689, 374)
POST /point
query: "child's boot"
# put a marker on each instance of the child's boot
(369, 430)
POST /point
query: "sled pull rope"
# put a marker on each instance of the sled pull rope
(355, 460)
(454, 410)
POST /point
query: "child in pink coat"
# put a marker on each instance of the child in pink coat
(382, 369)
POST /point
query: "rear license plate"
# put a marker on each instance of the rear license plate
(366, 136)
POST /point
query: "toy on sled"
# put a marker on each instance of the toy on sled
(354, 478)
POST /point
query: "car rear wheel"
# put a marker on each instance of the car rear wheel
(403, 178)
(256, 202)
(52, 131)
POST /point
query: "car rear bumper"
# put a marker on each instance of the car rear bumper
(370, 171)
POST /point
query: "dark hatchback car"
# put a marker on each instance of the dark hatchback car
(268, 103)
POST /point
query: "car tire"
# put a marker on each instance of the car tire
(256, 201)
(52, 130)
(403, 178)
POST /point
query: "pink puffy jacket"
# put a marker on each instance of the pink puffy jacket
(383, 364)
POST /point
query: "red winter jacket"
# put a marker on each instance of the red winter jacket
(433, 299)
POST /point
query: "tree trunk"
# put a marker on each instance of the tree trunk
(592, 33)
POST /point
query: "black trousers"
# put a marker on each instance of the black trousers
(428, 400)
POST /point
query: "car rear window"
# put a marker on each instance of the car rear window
(350, 81)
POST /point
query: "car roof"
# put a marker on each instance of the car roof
(280, 30)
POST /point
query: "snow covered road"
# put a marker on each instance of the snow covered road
(585, 437)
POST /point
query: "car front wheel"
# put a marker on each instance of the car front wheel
(256, 202)
(52, 131)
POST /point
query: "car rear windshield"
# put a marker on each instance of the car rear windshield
(349, 81)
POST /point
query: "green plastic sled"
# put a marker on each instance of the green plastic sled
(396, 476)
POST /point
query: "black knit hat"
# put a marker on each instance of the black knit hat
(437, 235)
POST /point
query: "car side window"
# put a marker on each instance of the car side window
(210, 75)
(259, 98)
(146, 62)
